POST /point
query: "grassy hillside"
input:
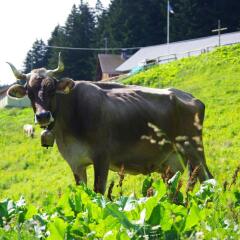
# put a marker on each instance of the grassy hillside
(26, 167)
(42, 176)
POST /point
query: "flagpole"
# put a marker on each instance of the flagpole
(168, 21)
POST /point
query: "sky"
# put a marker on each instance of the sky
(24, 21)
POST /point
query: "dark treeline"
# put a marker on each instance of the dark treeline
(128, 24)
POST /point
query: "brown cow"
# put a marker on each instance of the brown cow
(111, 125)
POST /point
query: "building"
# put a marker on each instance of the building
(6, 101)
(107, 64)
(166, 52)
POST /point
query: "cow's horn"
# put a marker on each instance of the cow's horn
(19, 75)
(60, 67)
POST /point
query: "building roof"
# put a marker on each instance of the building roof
(180, 49)
(109, 62)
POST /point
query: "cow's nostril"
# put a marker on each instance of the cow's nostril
(43, 116)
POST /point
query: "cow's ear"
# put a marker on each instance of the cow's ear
(65, 85)
(17, 91)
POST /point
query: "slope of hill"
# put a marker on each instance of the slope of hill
(42, 176)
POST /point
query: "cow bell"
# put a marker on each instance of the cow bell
(47, 138)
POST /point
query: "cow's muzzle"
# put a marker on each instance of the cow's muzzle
(44, 118)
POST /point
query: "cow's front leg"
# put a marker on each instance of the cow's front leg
(80, 175)
(101, 167)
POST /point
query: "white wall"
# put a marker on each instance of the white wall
(12, 102)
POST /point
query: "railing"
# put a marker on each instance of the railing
(175, 56)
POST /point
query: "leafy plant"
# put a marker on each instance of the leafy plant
(81, 213)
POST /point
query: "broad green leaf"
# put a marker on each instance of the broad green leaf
(167, 217)
(77, 202)
(21, 215)
(112, 209)
(57, 229)
(237, 197)
(7, 209)
(110, 235)
(79, 227)
(4, 207)
(161, 189)
(31, 211)
(161, 215)
(65, 205)
(94, 211)
(141, 221)
(150, 205)
(156, 215)
(179, 209)
(193, 217)
(122, 235)
(105, 225)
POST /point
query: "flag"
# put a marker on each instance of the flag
(170, 9)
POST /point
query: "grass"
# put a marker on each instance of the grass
(27, 168)
(42, 176)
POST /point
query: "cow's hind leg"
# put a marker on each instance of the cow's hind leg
(194, 154)
(175, 162)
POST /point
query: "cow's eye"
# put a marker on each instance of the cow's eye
(49, 92)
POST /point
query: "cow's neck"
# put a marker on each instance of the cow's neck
(63, 123)
(78, 113)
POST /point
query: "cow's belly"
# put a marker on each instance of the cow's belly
(74, 152)
(144, 159)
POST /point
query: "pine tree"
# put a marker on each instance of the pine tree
(36, 57)
(132, 23)
(99, 8)
(197, 18)
(56, 39)
(228, 13)
(79, 33)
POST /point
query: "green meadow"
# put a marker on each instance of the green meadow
(43, 177)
